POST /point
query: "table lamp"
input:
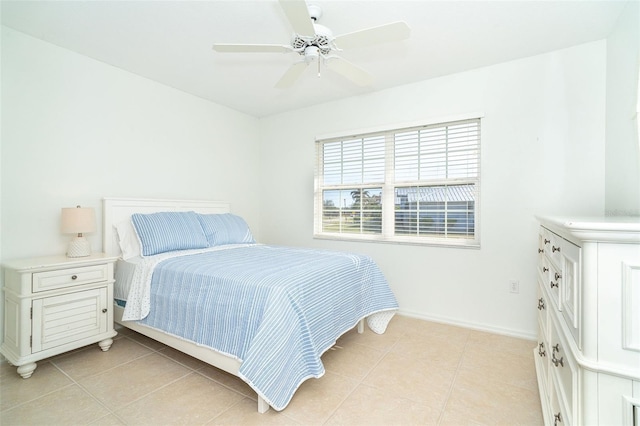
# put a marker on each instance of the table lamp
(78, 220)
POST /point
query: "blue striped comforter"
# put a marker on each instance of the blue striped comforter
(276, 309)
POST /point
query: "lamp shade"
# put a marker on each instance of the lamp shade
(77, 220)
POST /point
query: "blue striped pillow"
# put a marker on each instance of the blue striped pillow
(225, 228)
(168, 231)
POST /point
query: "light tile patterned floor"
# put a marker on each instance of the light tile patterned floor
(417, 373)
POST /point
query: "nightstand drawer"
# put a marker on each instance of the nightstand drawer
(61, 278)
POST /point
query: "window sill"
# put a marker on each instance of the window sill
(398, 240)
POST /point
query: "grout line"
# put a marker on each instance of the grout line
(85, 390)
(221, 413)
(453, 381)
(129, 337)
(21, 403)
(160, 387)
(360, 382)
(112, 411)
(111, 368)
(254, 397)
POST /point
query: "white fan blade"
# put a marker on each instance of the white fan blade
(298, 16)
(394, 31)
(293, 73)
(251, 48)
(350, 71)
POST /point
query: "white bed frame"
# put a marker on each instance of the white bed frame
(116, 210)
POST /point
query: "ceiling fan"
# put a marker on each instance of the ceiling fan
(316, 43)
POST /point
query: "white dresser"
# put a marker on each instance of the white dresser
(588, 353)
(56, 304)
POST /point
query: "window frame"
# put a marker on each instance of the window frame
(388, 187)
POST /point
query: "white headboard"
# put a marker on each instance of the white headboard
(116, 210)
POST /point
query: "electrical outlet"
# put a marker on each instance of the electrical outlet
(514, 286)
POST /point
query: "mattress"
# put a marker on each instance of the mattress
(124, 273)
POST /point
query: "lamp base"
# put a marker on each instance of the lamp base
(79, 247)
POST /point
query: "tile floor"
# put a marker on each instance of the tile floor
(417, 373)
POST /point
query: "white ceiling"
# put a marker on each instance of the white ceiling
(170, 41)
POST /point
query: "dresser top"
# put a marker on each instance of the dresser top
(57, 261)
(618, 229)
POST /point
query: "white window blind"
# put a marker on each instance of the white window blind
(417, 185)
(352, 179)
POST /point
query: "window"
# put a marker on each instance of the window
(414, 185)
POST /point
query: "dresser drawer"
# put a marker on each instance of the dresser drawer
(563, 368)
(542, 360)
(560, 415)
(552, 284)
(553, 249)
(543, 311)
(543, 269)
(61, 278)
(551, 245)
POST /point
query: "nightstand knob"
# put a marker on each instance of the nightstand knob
(104, 311)
(74, 277)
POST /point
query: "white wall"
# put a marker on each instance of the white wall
(75, 130)
(542, 153)
(623, 150)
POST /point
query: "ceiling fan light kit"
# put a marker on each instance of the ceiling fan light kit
(311, 54)
(314, 41)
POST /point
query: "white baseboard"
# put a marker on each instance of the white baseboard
(520, 334)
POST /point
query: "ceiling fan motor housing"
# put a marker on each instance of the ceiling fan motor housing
(323, 40)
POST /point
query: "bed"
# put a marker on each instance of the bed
(199, 283)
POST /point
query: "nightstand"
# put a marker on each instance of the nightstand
(56, 304)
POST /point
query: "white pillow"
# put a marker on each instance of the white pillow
(127, 239)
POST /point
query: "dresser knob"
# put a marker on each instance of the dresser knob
(553, 284)
(104, 311)
(545, 269)
(554, 249)
(540, 251)
(541, 350)
(74, 277)
(554, 360)
(540, 304)
(547, 241)
(558, 361)
(558, 276)
(557, 418)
